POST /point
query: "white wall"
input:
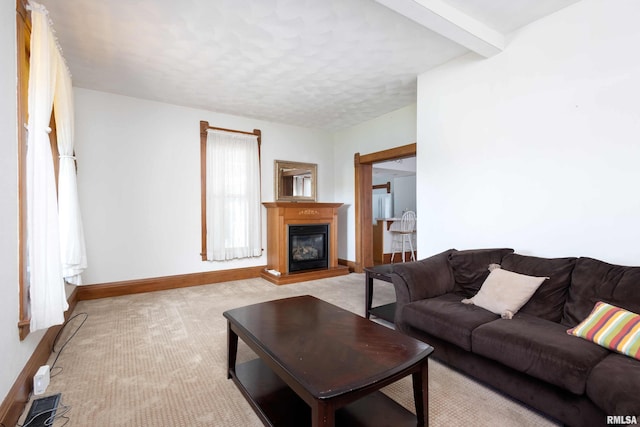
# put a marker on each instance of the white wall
(387, 131)
(537, 148)
(13, 353)
(139, 182)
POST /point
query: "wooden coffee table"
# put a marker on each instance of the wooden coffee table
(320, 365)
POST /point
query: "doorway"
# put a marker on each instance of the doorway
(363, 199)
(394, 193)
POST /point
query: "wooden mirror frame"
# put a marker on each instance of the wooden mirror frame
(280, 189)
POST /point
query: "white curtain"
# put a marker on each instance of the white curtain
(233, 196)
(72, 247)
(382, 206)
(46, 286)
(302, 185)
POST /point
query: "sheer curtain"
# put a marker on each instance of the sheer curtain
(233, 196)
(382, 206)
(46, 287)
(72, 246)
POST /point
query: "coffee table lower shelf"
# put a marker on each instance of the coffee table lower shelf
(386, 312)
(277, 405)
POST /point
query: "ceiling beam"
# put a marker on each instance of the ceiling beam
(449, 22)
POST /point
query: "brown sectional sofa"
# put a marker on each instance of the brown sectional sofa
(529, 357)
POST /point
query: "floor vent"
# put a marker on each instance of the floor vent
(42, 411)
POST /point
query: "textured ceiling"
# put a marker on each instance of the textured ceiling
(314, 63)
(396, 168)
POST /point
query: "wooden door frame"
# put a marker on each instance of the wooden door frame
(363, 165)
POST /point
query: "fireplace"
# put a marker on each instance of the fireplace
(281, 216)
(308, 247)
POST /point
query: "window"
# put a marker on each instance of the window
(46, 171)
(230, 193)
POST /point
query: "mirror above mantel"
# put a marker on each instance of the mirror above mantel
(295, 181)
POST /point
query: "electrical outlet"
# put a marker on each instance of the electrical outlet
(41, 380)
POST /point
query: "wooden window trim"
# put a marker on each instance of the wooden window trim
(204, 127)
(23, 29)
(23, 40)
(386, 186)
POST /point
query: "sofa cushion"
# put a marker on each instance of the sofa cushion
(539, 348)
(421, 279)
(504, 292)
(470, 268)
(611, 327)
(592, 281)
(619, 397)
(548, 301)
(445, 317)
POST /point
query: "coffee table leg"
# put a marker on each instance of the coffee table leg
(323, 415)
(421, 394)
(232, 350)
(368, 295)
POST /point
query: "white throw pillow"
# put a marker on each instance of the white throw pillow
(505, 292)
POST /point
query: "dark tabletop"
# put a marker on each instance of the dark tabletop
(329, 350)
(383, 269)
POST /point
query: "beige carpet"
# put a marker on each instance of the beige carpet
(159, 359)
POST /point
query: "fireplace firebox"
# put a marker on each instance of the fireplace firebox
(308, 247)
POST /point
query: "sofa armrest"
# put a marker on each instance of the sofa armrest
(422, 279)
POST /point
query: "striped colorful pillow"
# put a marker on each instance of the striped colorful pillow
(611, 327)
